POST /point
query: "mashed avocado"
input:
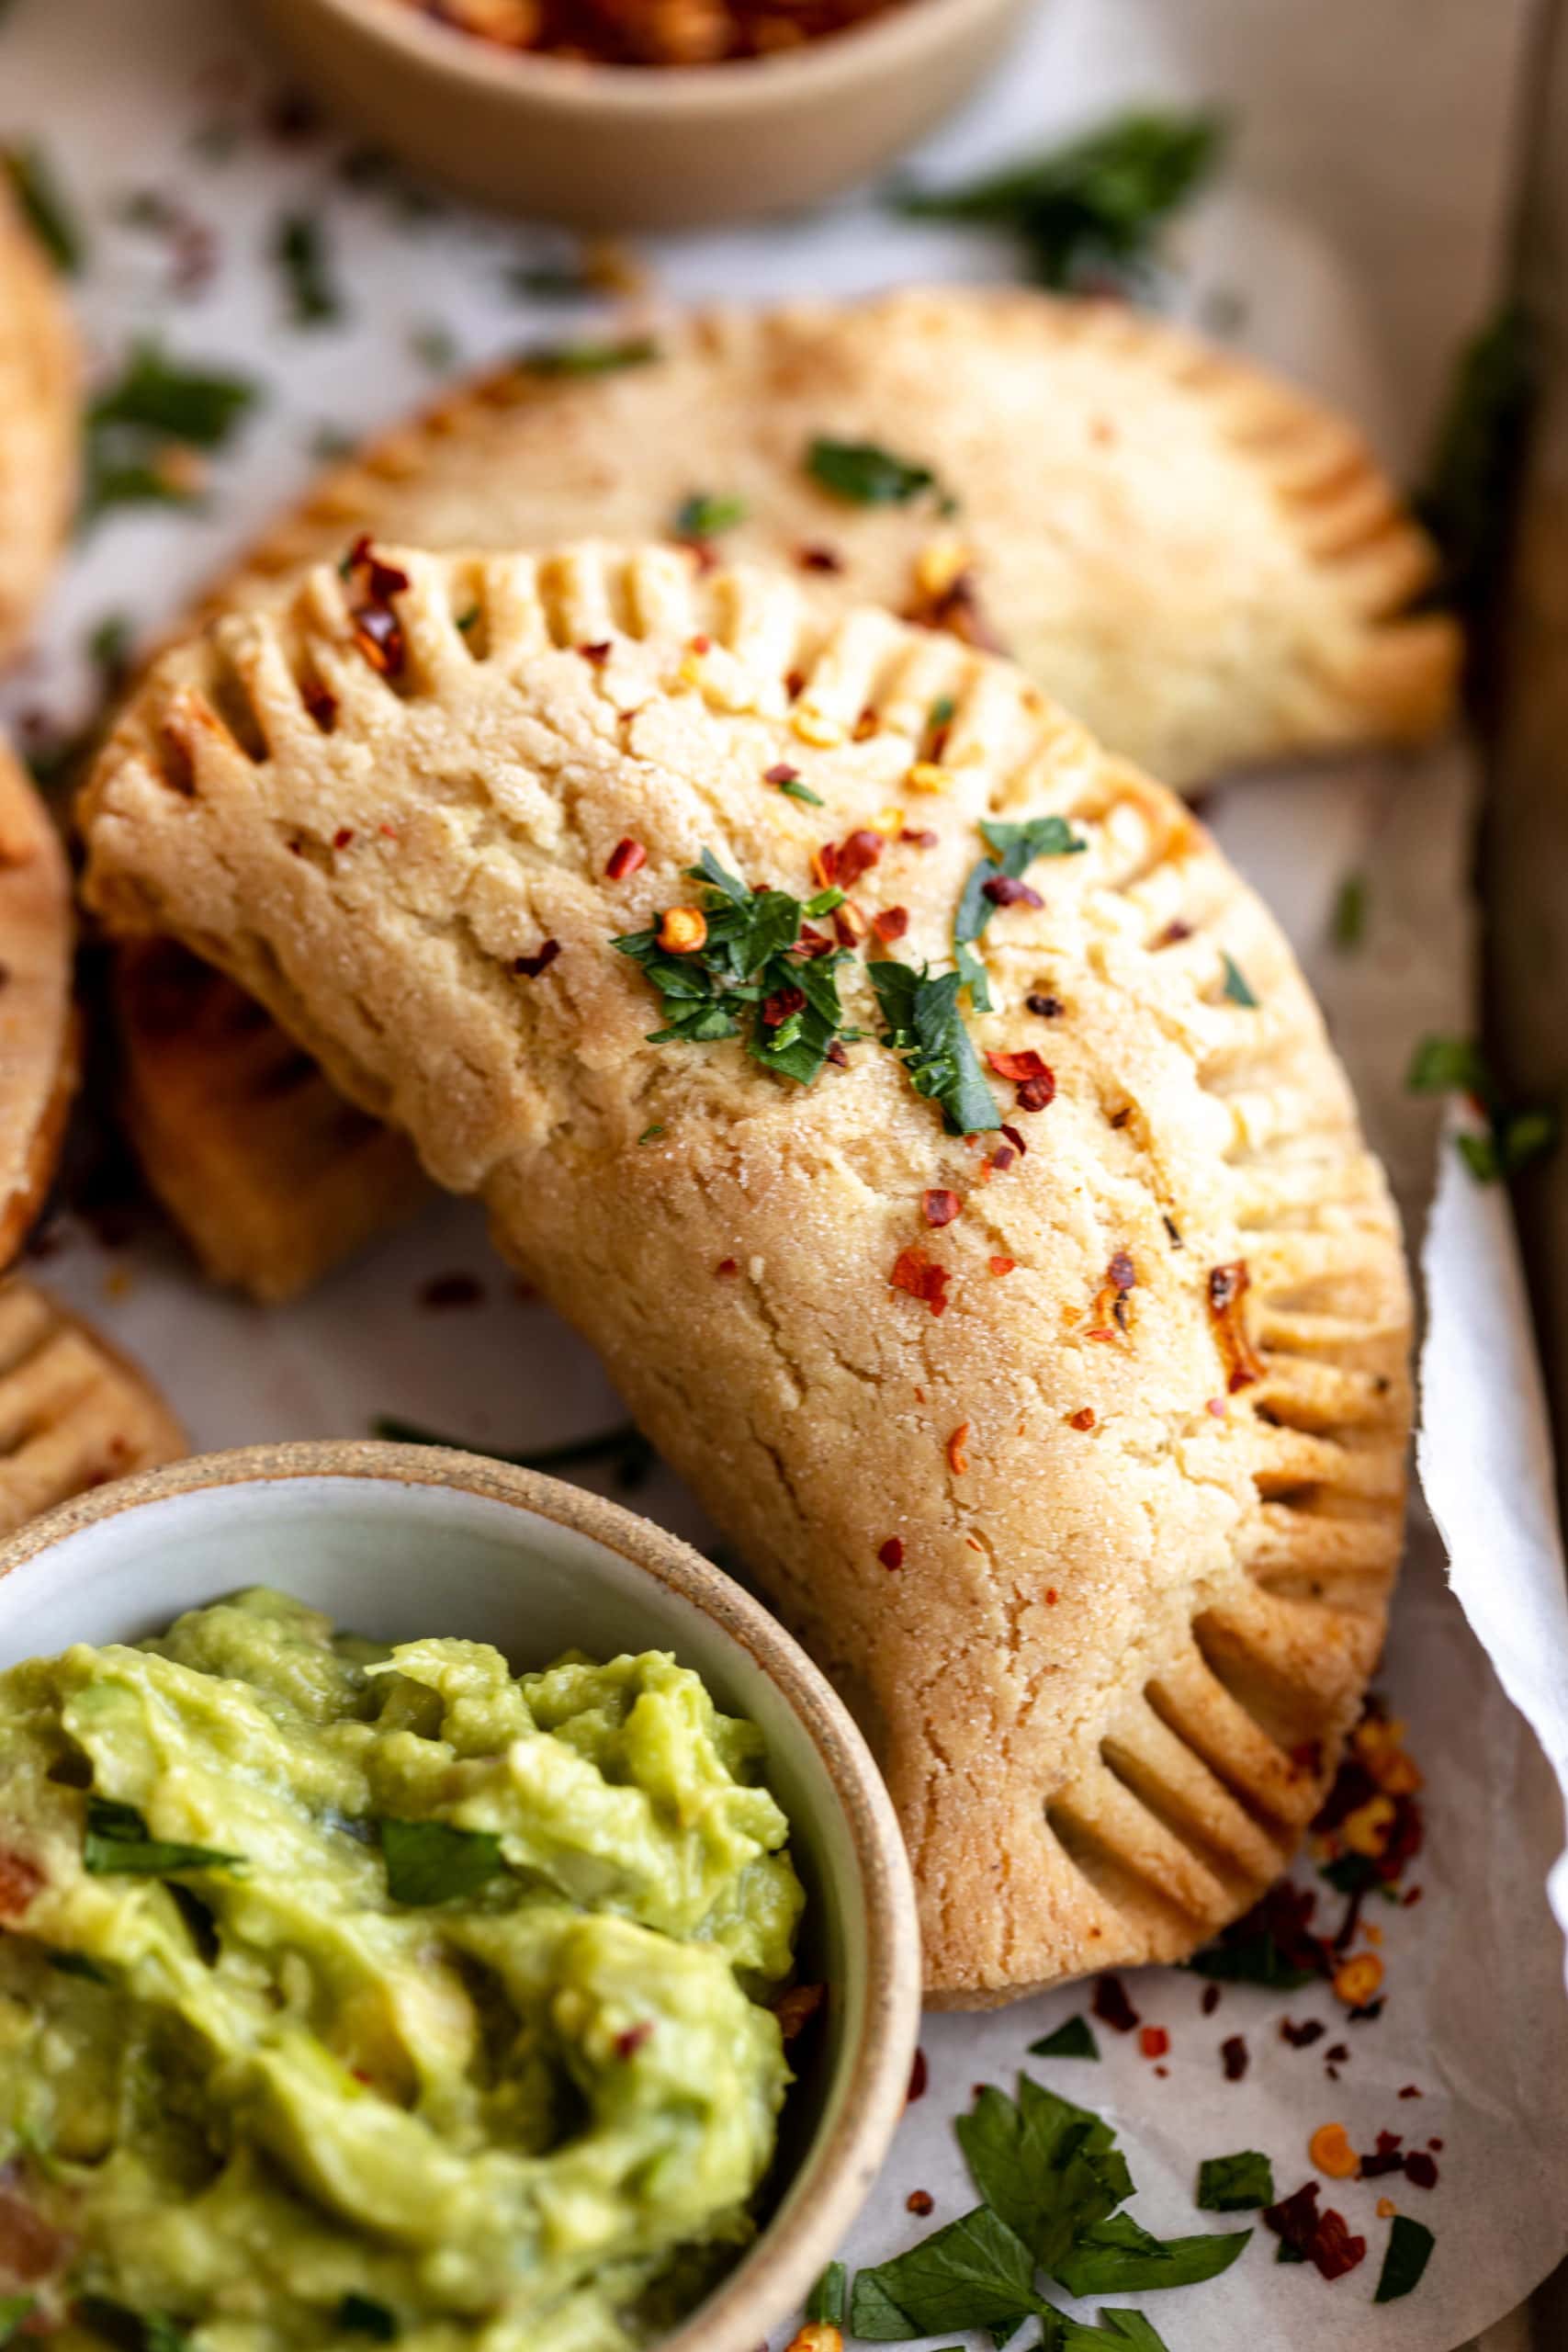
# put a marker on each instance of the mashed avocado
(350, 1994)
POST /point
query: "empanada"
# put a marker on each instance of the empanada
(1075, 1449)
(38, 428)
(73, 1411)
(37, 1028)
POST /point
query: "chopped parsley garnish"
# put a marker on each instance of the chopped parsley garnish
(119, 1845)
(1237, 2184)
(864, 474)
(973, 2273)
(590, 358)
(1131, 2330)
(1014, 848)
(1073, 2040)
(652, 1133)
(1347, 922)
(300, 249)
(430, 1861)
(1237, 988)
(1516, 1134)
(360, 2315)
(1468, 494)
(940, 713)
(701, 517)
(793, 790)
(925, 1029)
(43, 206)
(76, 1964)
(748, 976)
(1409, 2250)
(829, 2299)
(13, 2310)
(156, 414)
(1088, 213)
(1253, 1956)
(1118, 2257)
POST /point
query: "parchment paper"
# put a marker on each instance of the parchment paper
(1353, 243)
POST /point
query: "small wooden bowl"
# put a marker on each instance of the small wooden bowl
(643, 147)
(400, 1541)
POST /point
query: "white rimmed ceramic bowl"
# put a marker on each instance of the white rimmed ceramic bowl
(398, 1540)
(643, 147)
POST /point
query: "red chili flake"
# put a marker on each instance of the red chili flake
(452, 1290)
(890, 924)
(837, 1054)
(1336, 2053)
(321, 702)
(383, 579)
(1228, 1287)
(1001, 1265)
(779, 1007)
(387, 832)
(1419, 2169)
(597, 653)
(781, 773)
(342, 836)
(940, 1206)
(1302, 2036)
(914, 1272)
(1235, 2057)
(378, 634)
(627, 857)
(1016, 1139)
(1082, 1420)
(815, 557)
(848, 924)
(727, 1266)
(1112, 2006)
(796, 2008)
(891, 1554)
(1412, 1894)
(921, 2201)
(1174, 933)
(627, 2045)
(20, 1880)
(1018, 1067)
(919, 2076)
(1436, 2144)
(1051, 1596)
(917, 838)
(867, 725)
(1323, 2238)
(699, 644)
(1005, 890)
(1002, 1160)
(795, 684)
(855, 856)
(1410, 2091)
(1049, 1008)
(1154, 2041)
(957, 1450)
(528, 967)
(1037, 1094)
(1121, 1273)
(1211, 2000)
(1218, 1406)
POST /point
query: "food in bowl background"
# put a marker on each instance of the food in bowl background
(650, 32)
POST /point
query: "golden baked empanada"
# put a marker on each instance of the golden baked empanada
(38, 1028)
(1074, 1446)
(73, 1411)
(38, 428)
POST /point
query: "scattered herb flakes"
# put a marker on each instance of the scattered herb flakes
(701, 517)
(43, 205)
(623, 1446)
(1013, 850)
(1323, 2238)
(301, 250)
(1254, 1950)
(430, 1861)
(119, 1844)
(863, 474)
(1468, 498)
(1405, 2260)
(745, 975)
(13, 2310)
(1347, 922)
(1088, 213)
(1074, 2038)
(143, 430)
(926, 1030)
(1237, 988)
(1449, 1066)
(1516, 1134)
(360, 2315)
(972, 2273)
(652, 1133)
(828, 2301)
(793, 790)
(1237, 2184)
(590, 358)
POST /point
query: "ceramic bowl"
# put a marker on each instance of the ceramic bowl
(642, 147)
(399, 1540)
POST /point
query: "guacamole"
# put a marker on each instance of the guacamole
(358, 1995)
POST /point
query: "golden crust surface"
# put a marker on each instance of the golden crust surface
(272, 1178)
(1134, 1607)
(73, 1411)
(37, 1035)
(1202, 563)
(38, 371)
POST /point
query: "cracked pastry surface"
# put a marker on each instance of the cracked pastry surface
(1206, 566)
(38, 425)
(38, 1028)
(1102, 1551)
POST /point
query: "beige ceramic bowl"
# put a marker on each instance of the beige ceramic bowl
(400, 1541)
(643, 147)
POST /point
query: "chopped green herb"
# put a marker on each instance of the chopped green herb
(1409, 2250)
(1118, 2257)
(1516, 1134)
(154, 394)
(1074, 2038)
(300, 249)
(119, 1845)
(1014, 849)
(866, 475)
(701, 517)
(745, 978)
(435, 346)
(43, 206)
(1253, 1958)
(1088, 213)
(625, 1445)
(1449, 1066)
(1347, 924)
(793, 790)
(652, 1133)
(590, 358)
(1468, 500)
(940, 713)
(1127, 2328)
(359, 2315)
(925, 1029)
(1235, 2184)
(974, 2273)
(13, 2310)
(1237, 988)
(829, 2299)
(430, 1861)
(1050, 2170)
(76, 1964)
(466, 621)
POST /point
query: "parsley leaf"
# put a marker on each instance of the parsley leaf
(362, 2315)
(864, 474)
(118, 1846)
(701, 517)
(156, 411)
(1448, 1065)
(1130, 2328)
(1235, 2184)
(973, 2273)
(1118, 2257)
(43, 206)
(1473, 471)
(925, 1029)
(1253, 1958)
(13, 2310)
(1237, 988)
(430, 1861)
(300, 249)
(1516, 1134)
(1050, 2170)
(1409, 2250)
(793, 790)
(1347, 924)
(1090, 211)
(590, 358)
(1014, 848)
(1074, 2038)
(829, 2299)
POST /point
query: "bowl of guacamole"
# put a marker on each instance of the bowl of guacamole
(399, 1944)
